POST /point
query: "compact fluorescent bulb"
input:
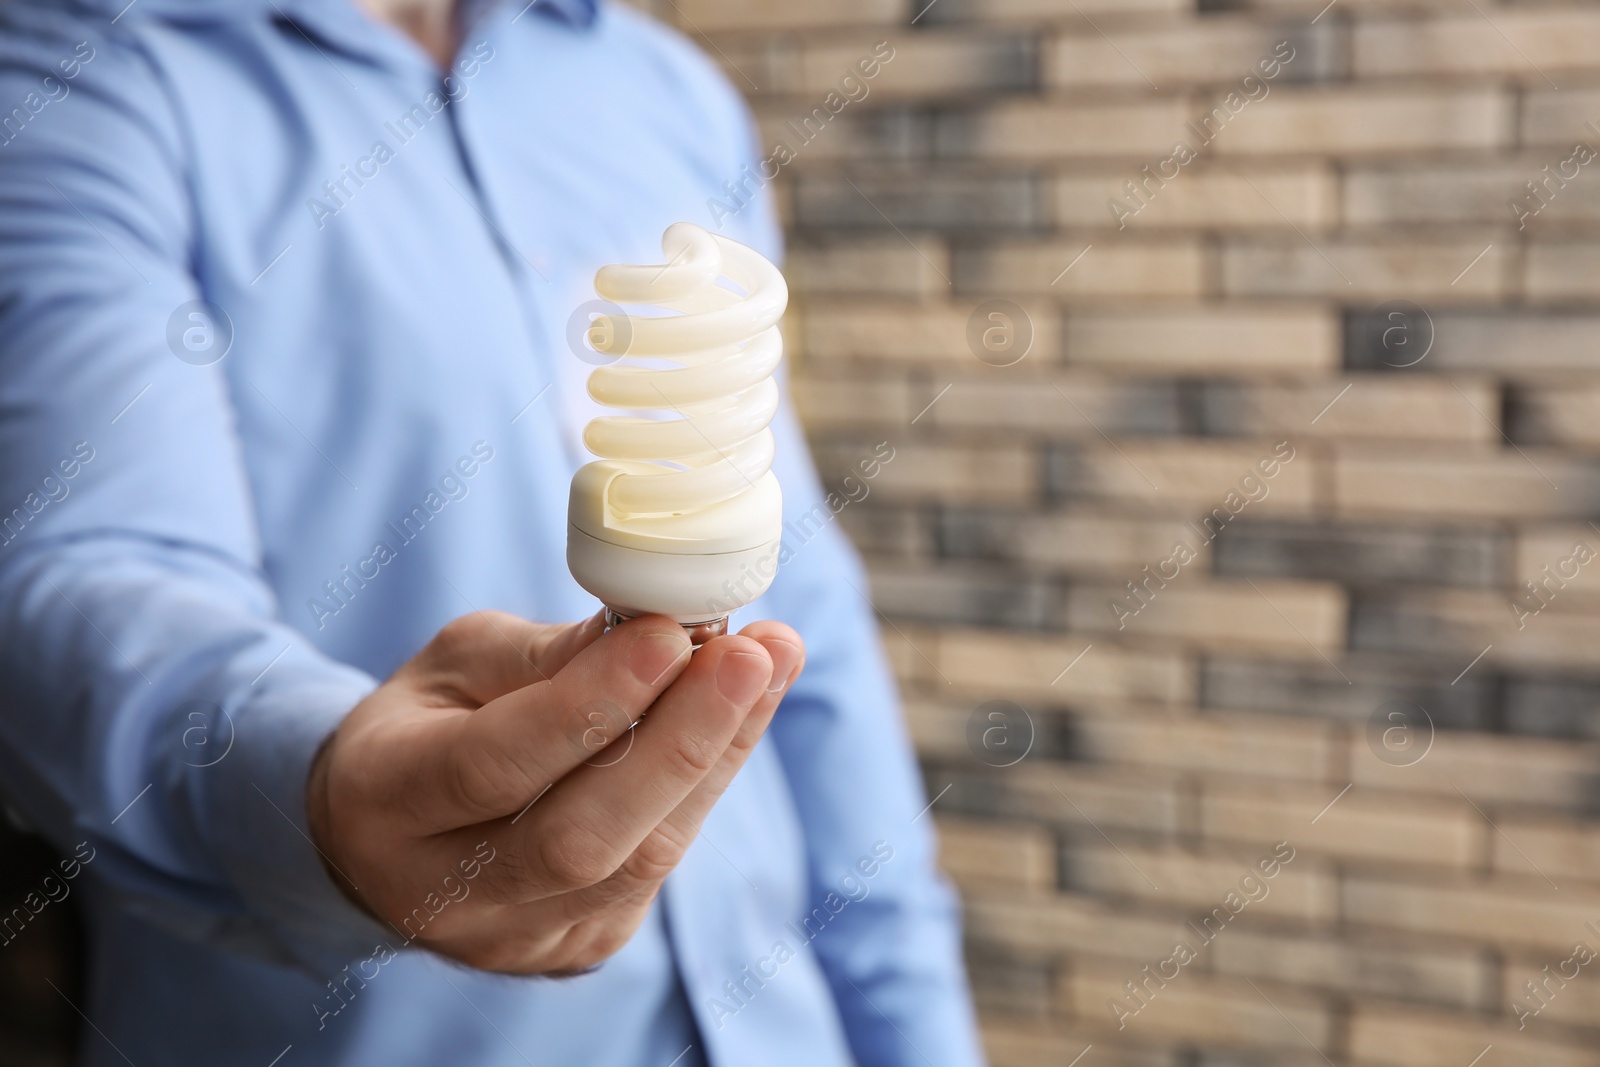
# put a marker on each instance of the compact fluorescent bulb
(682, 516)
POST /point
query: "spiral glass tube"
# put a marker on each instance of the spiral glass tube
(694, 483)
(725, 347)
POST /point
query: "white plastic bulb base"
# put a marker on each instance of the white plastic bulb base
(634, 570)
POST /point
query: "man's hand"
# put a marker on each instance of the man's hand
(518, 735)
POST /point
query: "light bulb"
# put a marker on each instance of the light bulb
(681, 515)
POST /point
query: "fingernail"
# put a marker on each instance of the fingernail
(785, 665)
(742, 676)
(655, 654)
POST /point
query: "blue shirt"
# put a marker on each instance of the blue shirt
(285, 384)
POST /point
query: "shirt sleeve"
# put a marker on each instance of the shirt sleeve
(893, 958)
(156, 717)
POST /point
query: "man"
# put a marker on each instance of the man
(285, 386)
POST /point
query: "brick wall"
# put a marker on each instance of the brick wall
(1344, 660)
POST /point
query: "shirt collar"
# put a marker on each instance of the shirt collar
(579, 13)
(576, 12)
(342, 25)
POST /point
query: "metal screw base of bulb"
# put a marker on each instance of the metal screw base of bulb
(699, 633)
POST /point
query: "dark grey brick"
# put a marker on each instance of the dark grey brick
(1510, 343)
(887, 531)
(968, 596)
(971, 533)
(979, 790)
(838, 458)
(1150, 407)
(1381, 623)
(1363, 553)
(993, 62)
(1538, 416)
(1063, 471)
(917, 199)
(896, 133)
(1066, 477)
(1317, 690)
(1233, 1058)
(973, 790)
(1220, 407)
(1553, 707)
(1006, 984)
(1526, 420)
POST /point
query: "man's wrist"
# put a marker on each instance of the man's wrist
(319, 822)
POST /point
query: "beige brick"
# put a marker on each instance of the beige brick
(1491, 769)
(1025, 668)
(1086, 543)
(1463, 483)
(1198, 1008)
(1367, 121)
(1521, 44)
(1146, 269)
(852, 402)
(1510, 911)
(938, 728)
(1303, 889)
(1022, 399)
(908, 332)
(1560, 118)
(1202, 197)
(712, 16)
(1360, 825)
(783, 203)
(980, 853)
(1053, 924)
(1294, 620)
(1193, 476)
(759, 67)
(1566, 272)
(1012, 1042)
(949, 473)
(1568, 581)
(1054, 129)
(900, 642)
(1210, 340)
(1458, 977)
(1375, 407)
(934, 62)
(1224, 744)
(889, 266)
(1194, 51)
(1414, 1037)
(1467, 193)
(1564, 987)
(1562, 849)
(1376, 270)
